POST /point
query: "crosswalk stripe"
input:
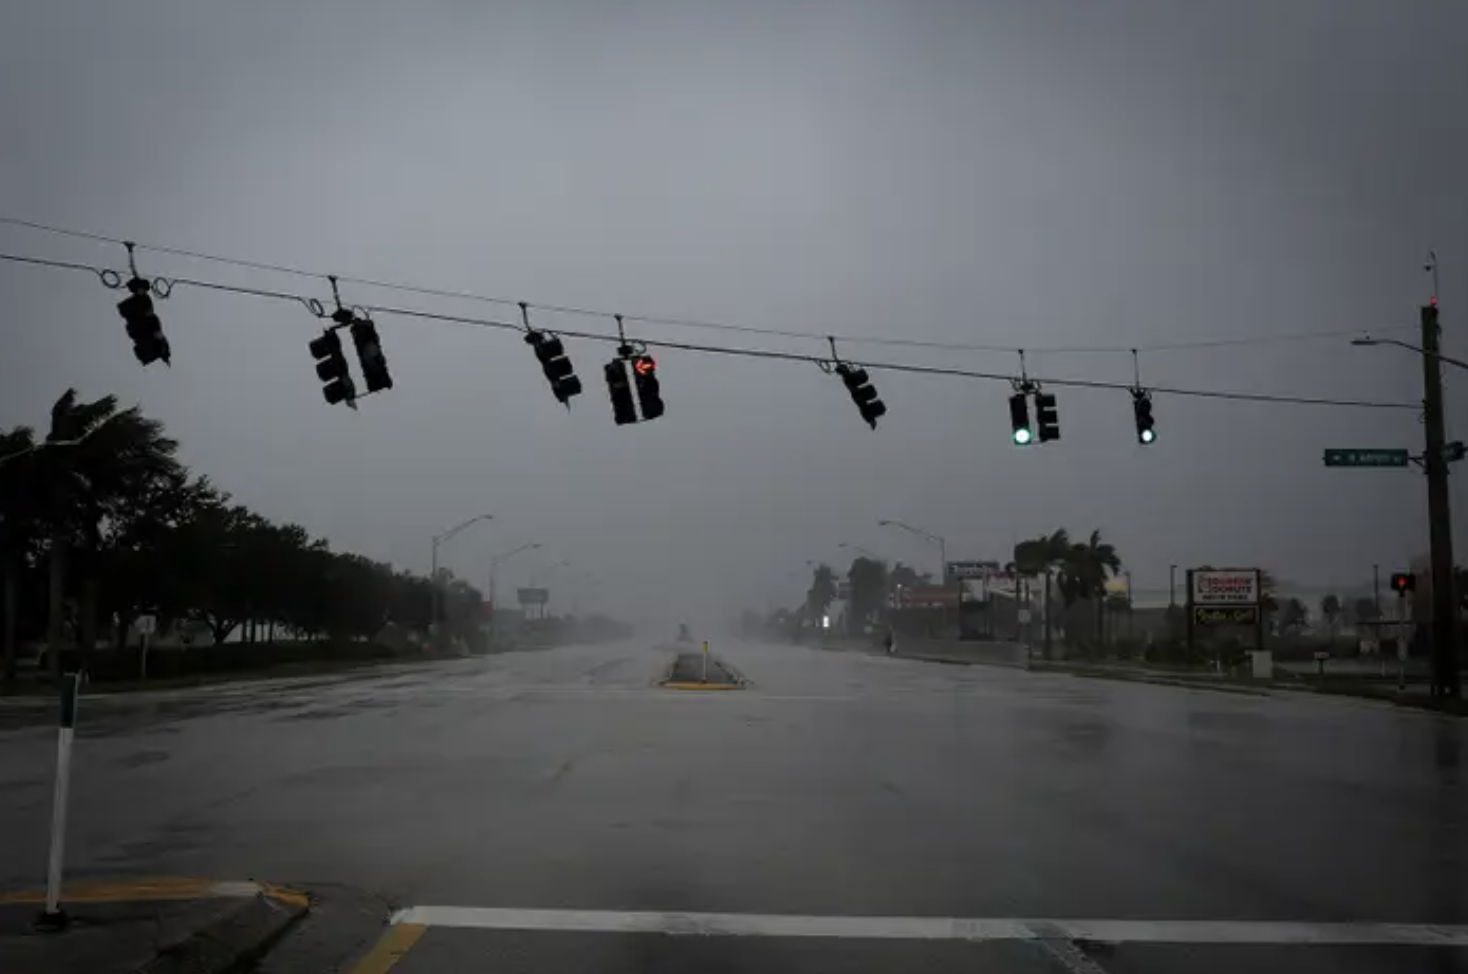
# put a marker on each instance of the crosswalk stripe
(1260, 932)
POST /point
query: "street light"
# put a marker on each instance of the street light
(1369, 342)
(865, 551)
(942, 555)
(439, 539)
(936, 539)
(1445, 679)
(494, 564)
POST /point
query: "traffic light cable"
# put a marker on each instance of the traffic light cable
(696, 323)
(164, 287)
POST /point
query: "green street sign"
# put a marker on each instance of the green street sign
(1365, 458)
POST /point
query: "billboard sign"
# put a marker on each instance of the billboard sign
(972, 569)
(1225, 586)
(534, 596)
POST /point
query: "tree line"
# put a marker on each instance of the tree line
(100, 523)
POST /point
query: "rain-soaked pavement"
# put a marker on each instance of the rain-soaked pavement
(556, 796)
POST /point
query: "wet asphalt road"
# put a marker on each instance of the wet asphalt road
(835, 785)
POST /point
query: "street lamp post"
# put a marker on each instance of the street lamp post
(494, 564)
(928, 535)
(1445, 678)
(439, 539)
(563, 563)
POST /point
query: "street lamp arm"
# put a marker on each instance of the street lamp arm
(506, 556)
(440, 539)
(917, 531)
(1369, 341)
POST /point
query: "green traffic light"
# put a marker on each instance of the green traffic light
(1022, 436)
(1147, 436)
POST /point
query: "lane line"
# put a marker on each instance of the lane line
(390, 948)
(1264, 932)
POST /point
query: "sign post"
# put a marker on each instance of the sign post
(147, 625)
(705, 678)
(1219, 597)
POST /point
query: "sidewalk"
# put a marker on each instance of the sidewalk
(149, 926)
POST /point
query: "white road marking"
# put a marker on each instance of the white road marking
(1265, 932)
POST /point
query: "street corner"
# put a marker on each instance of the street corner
(147, 926)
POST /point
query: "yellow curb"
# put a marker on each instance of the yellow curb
(161, 888)
(286, 895)
(390, 948)
(700, 686)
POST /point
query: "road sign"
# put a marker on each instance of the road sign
(147, 625)
(534, 596)
(1365, 458)
(1225, 586)
(1214, 616)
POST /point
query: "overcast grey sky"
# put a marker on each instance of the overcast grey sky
(1035, 173)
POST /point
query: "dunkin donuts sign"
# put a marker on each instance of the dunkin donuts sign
(1225, 586)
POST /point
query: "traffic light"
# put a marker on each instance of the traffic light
(1019, 419)
(143, 326)
(624, 410)
(649, 390)
(332, 369)
(1142, 408)
(369, 355)
(863, 393)
(1429, 314)
(1046, 418)
(1404, 582)
(557, 367)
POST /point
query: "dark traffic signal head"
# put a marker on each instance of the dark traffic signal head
(649, 389)
(143, 326)
(624, 410)
(1142, 409)
(557, 367)
(332, 369)
(863, 393)
(1019, 419)
(1047, 420)
(1404, 582)
(370, 356)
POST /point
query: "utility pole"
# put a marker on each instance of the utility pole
(1445, 681)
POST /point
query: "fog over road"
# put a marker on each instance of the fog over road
(836, 785)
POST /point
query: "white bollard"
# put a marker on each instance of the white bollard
(53, 917)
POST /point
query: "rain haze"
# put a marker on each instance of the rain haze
(1028, 174)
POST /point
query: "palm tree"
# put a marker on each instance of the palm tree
(103, 460)
(1041, 556)
(1084, 573)
(822, 591)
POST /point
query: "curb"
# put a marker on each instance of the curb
(1158, 681)
(236, 941)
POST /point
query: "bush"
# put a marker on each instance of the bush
(125, 665)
